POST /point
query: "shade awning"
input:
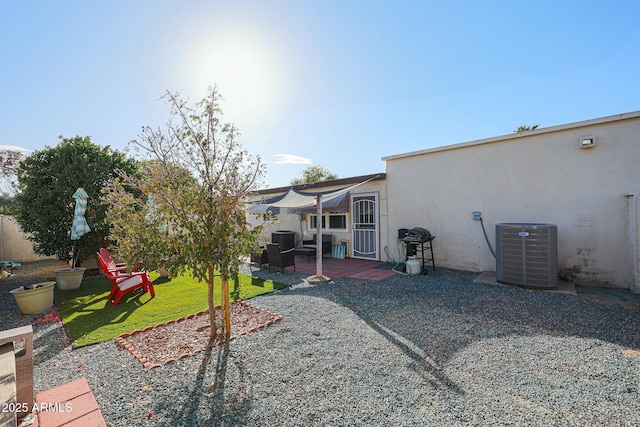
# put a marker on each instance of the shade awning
(336, 204)
(297, 202)
(263, 206)
(261, 209)
(294, 199)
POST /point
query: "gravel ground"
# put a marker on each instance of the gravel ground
(408, 351)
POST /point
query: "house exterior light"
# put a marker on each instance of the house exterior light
(587, 142)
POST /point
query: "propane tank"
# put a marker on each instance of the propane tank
(413, 266)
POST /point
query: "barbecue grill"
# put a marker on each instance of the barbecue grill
(415, 240)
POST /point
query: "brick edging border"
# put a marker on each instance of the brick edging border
(124, 343)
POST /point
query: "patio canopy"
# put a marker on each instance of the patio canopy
(320, 202)
(298, 202)
(335, 204)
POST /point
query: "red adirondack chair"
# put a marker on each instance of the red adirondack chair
(110, 262)
(122, 282)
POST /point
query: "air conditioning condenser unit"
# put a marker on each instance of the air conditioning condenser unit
(527, 255)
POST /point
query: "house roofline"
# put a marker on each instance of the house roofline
(591, 122)
(331, 183)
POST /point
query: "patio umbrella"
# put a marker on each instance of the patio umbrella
(153, 208)
(152, 213)
(79, 227)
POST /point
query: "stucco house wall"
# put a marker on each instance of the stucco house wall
(539, 176)
(300, 224)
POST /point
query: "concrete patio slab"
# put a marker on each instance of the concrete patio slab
(489, 278)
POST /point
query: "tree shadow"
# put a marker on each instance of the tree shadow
(265, 286)
(128, 304)
(92, 308)
(432, 318)
(422, 364)
(161, 280)
(220, 407)
(237, 285)
(256, 281)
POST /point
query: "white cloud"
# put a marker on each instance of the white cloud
(15, 148)
(291, 159)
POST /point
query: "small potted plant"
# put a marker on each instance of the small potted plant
(34, 299)
(69, 278)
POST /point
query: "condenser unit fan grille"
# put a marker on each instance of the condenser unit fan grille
(527, 255)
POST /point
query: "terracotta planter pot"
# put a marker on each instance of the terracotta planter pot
(69, 278)
(35, 300)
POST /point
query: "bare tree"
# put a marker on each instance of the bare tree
(9, 161)
(189, 214)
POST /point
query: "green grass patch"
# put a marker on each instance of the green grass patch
(89, 317)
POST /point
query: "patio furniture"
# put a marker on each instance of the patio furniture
(281, 259)
(110, 262)
(308, 252)
(16, 370)
(8, 385)
(261, 257)
(122, 282)
(286, 239)
(326, 243)
(16, 389)
(7, 266)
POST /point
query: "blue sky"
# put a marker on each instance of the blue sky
(338, 84)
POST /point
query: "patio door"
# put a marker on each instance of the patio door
(364, 226)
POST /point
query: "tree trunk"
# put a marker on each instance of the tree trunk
(213, 329)
(226, 306)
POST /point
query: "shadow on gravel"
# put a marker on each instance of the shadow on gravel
(423, 365)
(204, 398)
(444, 312)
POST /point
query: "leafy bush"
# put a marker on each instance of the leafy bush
(47, 180)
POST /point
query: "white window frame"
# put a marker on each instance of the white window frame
(326, 221)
